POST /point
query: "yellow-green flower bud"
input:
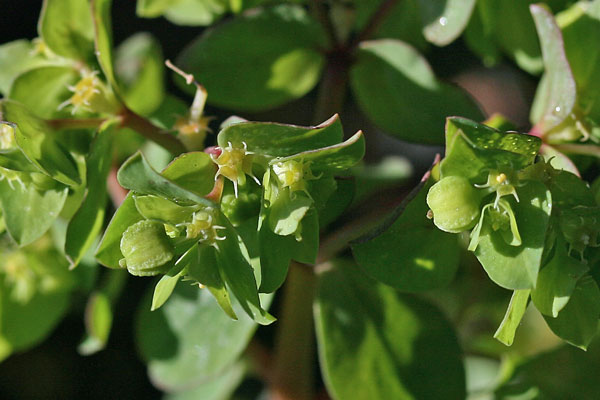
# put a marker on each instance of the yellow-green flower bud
(91, 94)
(234, 164)
(7, 137)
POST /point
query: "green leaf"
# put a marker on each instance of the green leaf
(557, 281)
(52, 81)
(402, 21)
(218, 388)
(444, 20)
(140, 70)
(35, 139)
(18, 57)
(108, 252)
(202, 266)
(517, 267)
(163, 210)
(561, 89)
(337, 157)
(277, 58)
(239, 275)
(66, 28)
(280, 140)
(399, 253)
(287, 211)
(29, 212)
(193, 171)
(15, 160)
(23, 325)
(376, 344)
(577, 322)
(87, 222)
(562, 373)
(519, 42)
(190, 339)
(579, 23)
(98, 323)
(165, 286)
(396, 88)
(103, 40)
(512, 319)
(184, 12)
(136, 174)
(473, 149)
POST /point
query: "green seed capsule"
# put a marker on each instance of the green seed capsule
(146, 248)
(454, 203)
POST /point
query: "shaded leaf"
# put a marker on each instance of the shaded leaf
(512, 318)
(396, 88)
(444, 20)
(66, 28)
(277, 58)
(377, 344)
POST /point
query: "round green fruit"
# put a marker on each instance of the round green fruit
(455, 204)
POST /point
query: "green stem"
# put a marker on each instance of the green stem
(85, 123)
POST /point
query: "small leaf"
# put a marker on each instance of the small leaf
(557, 281)
(396, 88)
(239, 275)
(136, 174)
(444, 20)
(184, 12)
(165, 286)
(376, 344)
(218, 388)
(108, 252)
(87, 222)
(202, 266)
(473, 149)
(103, 40)
(337, 157)
(98, 323)
(28, 212)
(190, 339)
(277, 58)
(35, 139)
(280, 140)
(287, 211)
(18, 57)
(50, 80)
(561, 88)
(193, 171)
(577, 322)
(66, 28)
(512, 318)
(163, 210)
(140, 70)
(517, 267)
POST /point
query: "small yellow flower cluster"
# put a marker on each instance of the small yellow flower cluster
(7, 137)
(234, 164)
(202, 227)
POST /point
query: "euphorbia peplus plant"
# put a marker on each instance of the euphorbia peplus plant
(223, 221)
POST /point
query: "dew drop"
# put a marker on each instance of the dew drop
(557, 109)
(443, 21)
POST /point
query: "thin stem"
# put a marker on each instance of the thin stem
(332, 90)
(379, 15)
(322, 15)
(85, 123)
(150, 131)
(294, 348)
(583, 149)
